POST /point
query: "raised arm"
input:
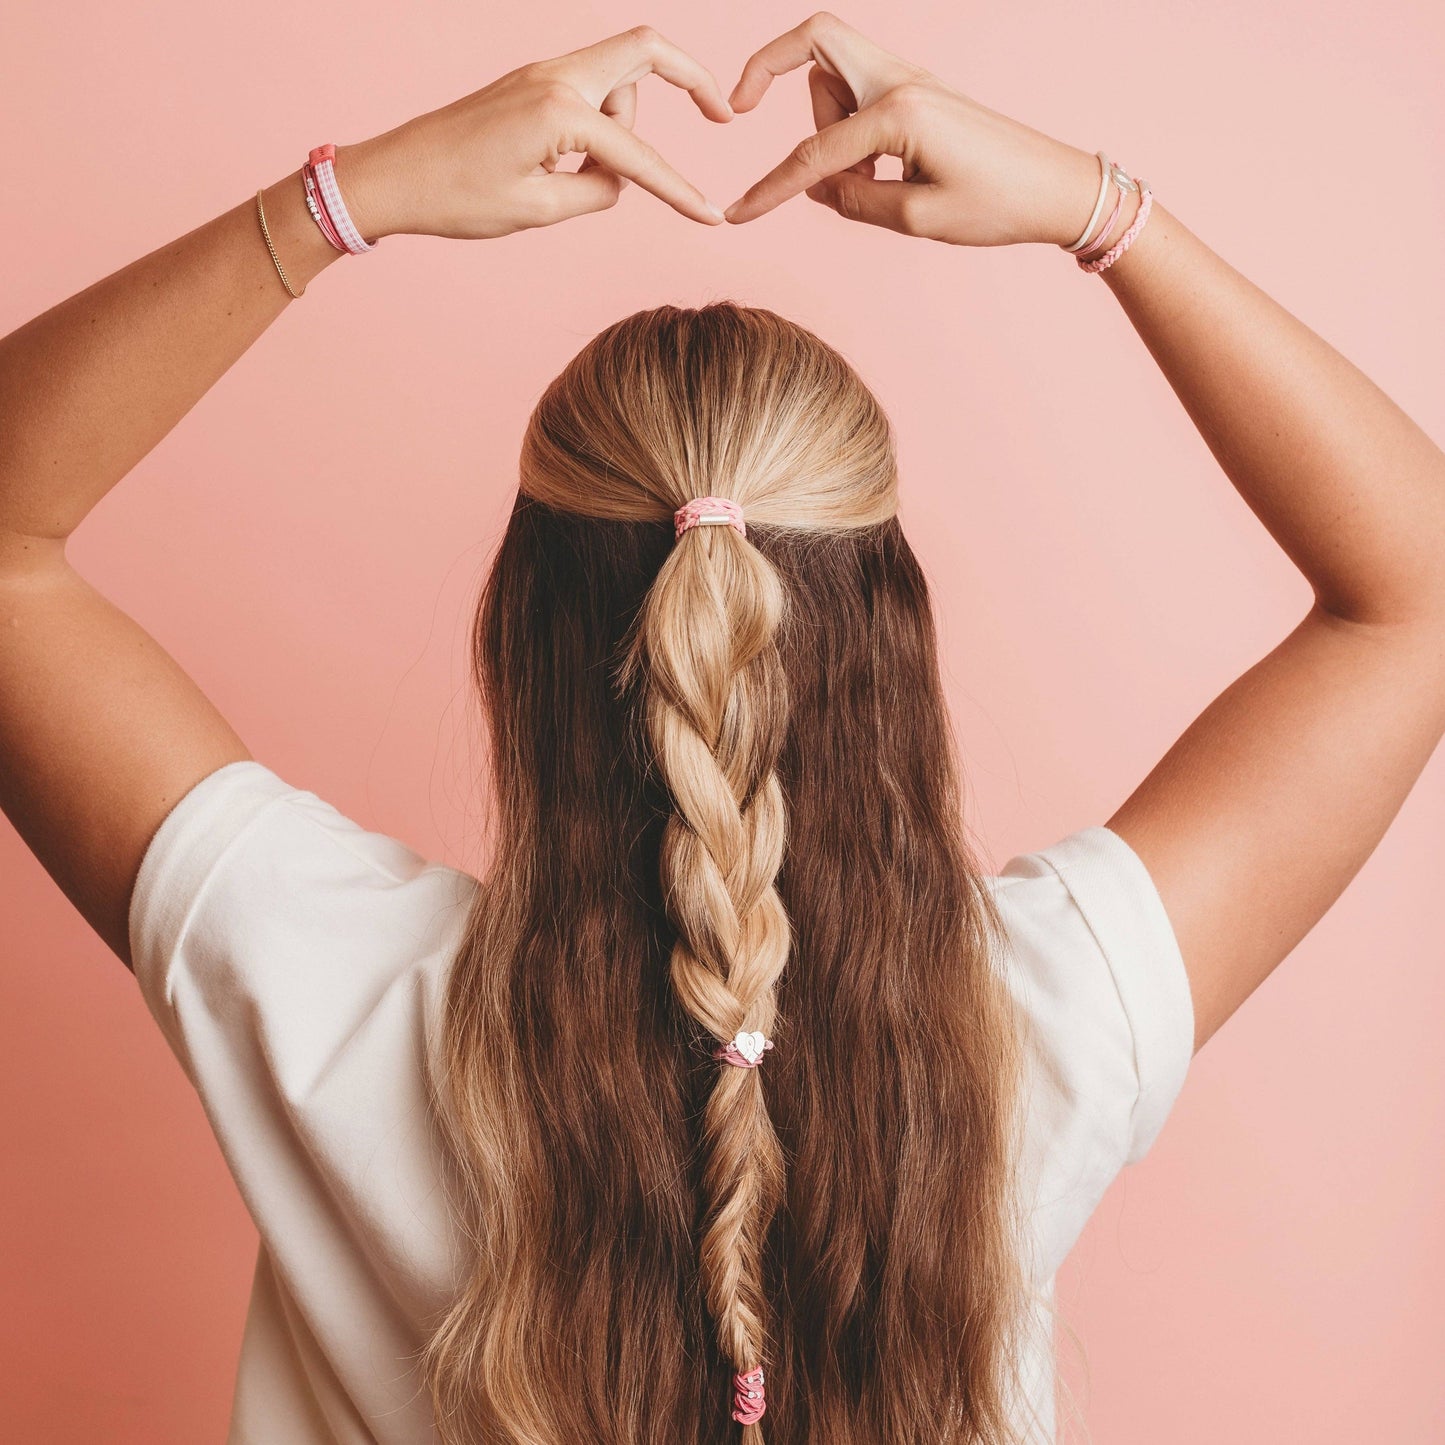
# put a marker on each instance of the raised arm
(100, 731)
(1267, 806)
(1260, 814)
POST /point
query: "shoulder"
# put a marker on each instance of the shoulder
(259, 893)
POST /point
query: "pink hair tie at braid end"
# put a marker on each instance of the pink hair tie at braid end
(745, 1051)
(748, 1402)
(708, 511)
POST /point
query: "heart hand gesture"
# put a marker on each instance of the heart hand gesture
(488, 164)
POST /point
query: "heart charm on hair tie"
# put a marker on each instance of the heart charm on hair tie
(708, 511)
(745, 1051)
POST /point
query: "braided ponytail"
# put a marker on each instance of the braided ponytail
(716, 716)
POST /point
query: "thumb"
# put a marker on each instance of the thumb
(878, 203)
(576, 193)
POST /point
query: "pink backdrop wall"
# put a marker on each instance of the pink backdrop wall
(1273, 1270)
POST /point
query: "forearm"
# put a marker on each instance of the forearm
(1348, 485)
(90, 386)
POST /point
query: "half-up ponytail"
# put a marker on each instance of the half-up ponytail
(716, 714)
(724, 804)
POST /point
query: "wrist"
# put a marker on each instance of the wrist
(1074, 190)
(366, 175)
(1144, 251)
(303, 251)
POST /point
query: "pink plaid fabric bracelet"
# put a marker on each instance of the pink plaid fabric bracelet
(323, 200)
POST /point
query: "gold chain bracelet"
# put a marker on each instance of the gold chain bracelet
(280, 270)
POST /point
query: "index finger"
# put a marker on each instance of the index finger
(597, 70)
(867, 69)
(834, 148)
(617, 148)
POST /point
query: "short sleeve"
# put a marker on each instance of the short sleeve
(263, 917)
(1097, 973)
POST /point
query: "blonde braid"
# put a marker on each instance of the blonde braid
(716, 712)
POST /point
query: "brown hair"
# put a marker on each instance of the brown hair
(725, 799)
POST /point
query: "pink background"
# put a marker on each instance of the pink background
(308, 543)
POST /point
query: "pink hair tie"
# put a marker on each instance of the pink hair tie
(708, 511)
(317, 207)
(745, 1051)
(748, 1401)
(1093, 247)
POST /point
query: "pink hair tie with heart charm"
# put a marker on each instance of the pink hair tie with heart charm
(746, 1050)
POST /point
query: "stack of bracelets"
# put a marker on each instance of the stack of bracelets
(1084, 250)
(328, 210)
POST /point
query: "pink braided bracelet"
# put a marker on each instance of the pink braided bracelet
(1127, 239)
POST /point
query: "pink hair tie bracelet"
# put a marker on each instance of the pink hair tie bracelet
(1085, 250)
(323, 200)
(745, 1051)
(1122, 185)
(708, 511)
(1127, 239)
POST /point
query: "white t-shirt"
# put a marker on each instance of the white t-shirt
(296, 963)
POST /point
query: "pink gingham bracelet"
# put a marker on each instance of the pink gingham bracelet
(1127, 239)
(322, 162)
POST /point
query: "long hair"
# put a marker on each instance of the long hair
(725, 799)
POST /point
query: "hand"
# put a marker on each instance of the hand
(971, 176)
(487, 164)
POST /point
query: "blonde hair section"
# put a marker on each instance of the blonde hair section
(716, 715)
(754, 432)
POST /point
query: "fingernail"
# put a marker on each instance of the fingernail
(716, 214)
(731, 211)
